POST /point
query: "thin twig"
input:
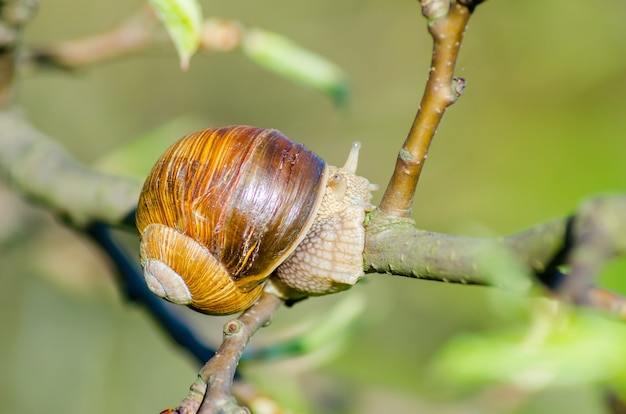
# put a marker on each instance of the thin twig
(211, 393)
(132, 36)
(600, 298)
(446, 24)
(134, 289)
(599, 235)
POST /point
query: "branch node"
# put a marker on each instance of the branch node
(405, 155)
(446, 25)
(434, 10)
(233, 327)
(458, 86)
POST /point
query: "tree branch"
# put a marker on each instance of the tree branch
(396, 246)
(446, 23)
(133, 35)
(599, 235)
(584, 242)
(211, 393)
(43, 171)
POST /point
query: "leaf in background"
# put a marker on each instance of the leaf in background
(585, 349)
(286, 58)
(136, 158)
(333, 332)
(183, 20)
(504, 270)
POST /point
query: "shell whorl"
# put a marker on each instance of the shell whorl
(230, 204)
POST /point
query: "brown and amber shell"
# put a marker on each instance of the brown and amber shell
(248, 195)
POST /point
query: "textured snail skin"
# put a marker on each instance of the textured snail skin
(221, 209)
(330, 258)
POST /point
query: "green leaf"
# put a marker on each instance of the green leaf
(584, 348)
(338, 322)
(284, 57)
(328, 335)
(136, 158)
(504, 270)
(183, 20)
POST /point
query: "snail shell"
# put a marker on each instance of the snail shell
(223, 208)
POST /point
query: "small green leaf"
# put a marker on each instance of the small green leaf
(585, 349)
(504, 270)
(183, 20)
(328, 335)
(136, 158)
(338, 322)
(286, 58)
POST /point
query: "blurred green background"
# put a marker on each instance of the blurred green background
(540, 128)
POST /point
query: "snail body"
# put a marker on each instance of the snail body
(229, 212)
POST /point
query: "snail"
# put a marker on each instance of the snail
(227, 213)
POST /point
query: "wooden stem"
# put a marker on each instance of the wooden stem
(133, 35)
(211, 393)
(599, 234)
(446, 24)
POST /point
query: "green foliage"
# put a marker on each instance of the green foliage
(183, 20)
(276, 53)
(135, 158)
(558, 348)
(334, 329)
(284, 57)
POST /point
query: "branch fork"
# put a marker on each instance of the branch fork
(446, 23)
(211, 392)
